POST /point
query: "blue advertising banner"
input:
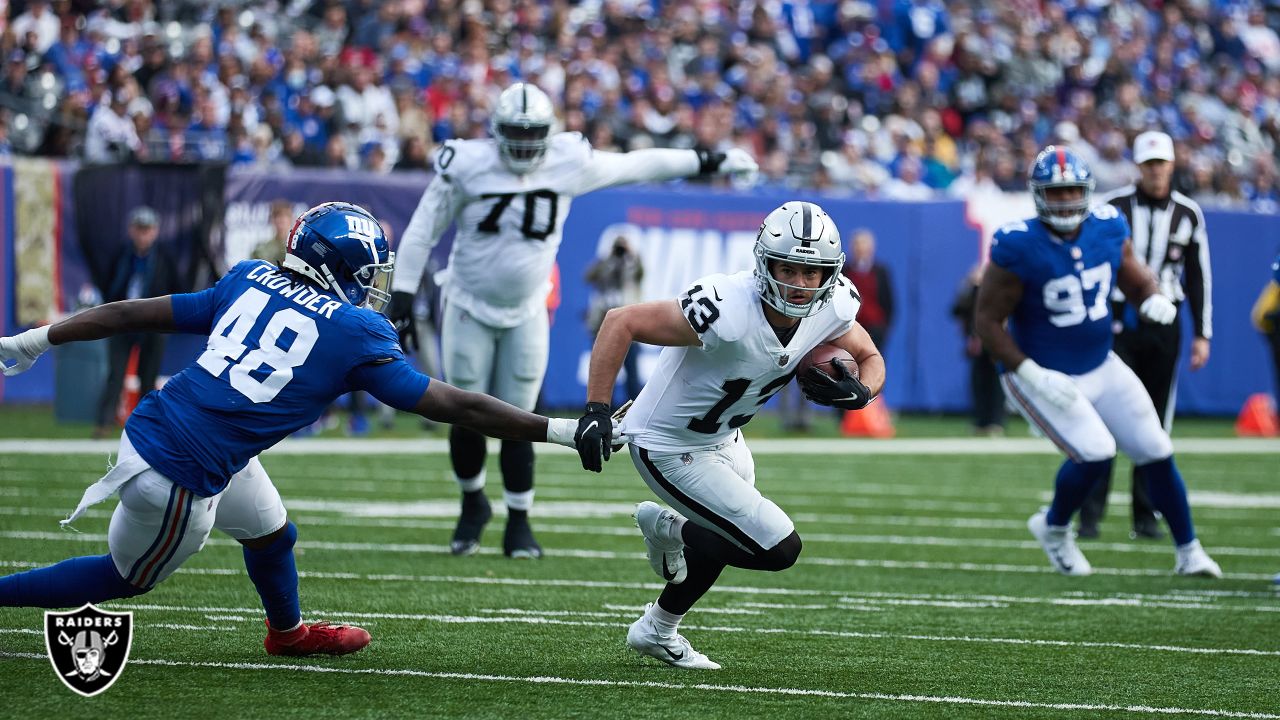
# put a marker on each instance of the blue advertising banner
(683, 234)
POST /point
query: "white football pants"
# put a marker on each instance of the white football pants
(507, 363)
(159, 524)
(716, 488)
(1112, 411)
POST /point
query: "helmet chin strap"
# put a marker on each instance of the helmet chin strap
(292, 262)
(326, 281)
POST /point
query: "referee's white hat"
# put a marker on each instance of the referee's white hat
(1152, 145)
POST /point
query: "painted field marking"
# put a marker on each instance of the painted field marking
(582, 553)
(707, 687)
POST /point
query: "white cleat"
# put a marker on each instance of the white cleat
(643, 637)
(1193, 560)
(1059, 544)
(666, 556)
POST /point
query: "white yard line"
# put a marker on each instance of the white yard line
(706, 687)
(583, 553)
(1176, 599)
(779, 446)
(607, 510)
(573, 618)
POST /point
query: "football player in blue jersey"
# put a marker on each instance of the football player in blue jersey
(1050, 277)
(284, 342)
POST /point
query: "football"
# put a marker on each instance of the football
(821, 357)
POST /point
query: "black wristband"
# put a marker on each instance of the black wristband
(595, 408)
(709, 161)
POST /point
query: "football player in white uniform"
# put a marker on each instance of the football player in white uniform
(509, 196)
(730, 342)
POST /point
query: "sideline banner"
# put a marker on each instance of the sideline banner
(391, 199)
(683, 231)
(37, 240)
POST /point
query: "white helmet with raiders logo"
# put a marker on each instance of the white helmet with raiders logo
(803, 234)
(522, 122)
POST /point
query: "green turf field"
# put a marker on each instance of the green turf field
(919, 594)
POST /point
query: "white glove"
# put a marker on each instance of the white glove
(1055, 387)
(1158, 309)
(19, 352)
(738, 162)
(561, 431)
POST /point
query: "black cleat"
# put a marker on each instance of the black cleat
(475, 515)
(1088, 531)
(518, 542)
(1147, 528)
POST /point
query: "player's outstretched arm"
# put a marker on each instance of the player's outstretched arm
(19, 352)
(490, 416)
(117, 318)
(607, 169)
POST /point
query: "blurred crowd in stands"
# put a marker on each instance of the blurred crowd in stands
(905, 99)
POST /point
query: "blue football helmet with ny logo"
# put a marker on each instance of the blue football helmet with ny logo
(1058, 167)
(342, 248)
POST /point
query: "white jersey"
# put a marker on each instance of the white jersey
(508, 225)
(699, 396)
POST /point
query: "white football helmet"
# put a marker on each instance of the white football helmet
(801, 233)
(522, 123)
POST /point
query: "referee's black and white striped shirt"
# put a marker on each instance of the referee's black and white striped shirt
(1169, 236)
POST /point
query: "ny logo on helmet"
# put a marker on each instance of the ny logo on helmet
(88, 647)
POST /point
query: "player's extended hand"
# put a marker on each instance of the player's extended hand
(400, 313)
(1055, 387)
(734, 162)
(845, 392)
(19, 352)
(1158, 309)
(594, 438)
(738, 162)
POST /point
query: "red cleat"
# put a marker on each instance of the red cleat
(320, 638)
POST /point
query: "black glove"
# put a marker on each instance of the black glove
(595, 436)
(400, 313)
(845, 392)
(709, 161)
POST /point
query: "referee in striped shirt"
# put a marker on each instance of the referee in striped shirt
(1168, 234)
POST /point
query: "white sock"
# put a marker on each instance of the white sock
(518, 500)
(1188, 547)
(471, 484)
(665, 622)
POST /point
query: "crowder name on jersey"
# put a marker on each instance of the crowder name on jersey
(699, 396)
(1063, 320)
(279, 352)
(287, 287)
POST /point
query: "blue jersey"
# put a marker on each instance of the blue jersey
(280, 351)
(1063, 321)
(1275, 270)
